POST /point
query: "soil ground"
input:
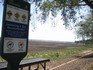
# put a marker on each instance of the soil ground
(76, 62)
(82, 61)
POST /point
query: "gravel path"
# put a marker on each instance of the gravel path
(78, 62)
(76, 65)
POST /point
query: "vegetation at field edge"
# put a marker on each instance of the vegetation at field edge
(56, 54)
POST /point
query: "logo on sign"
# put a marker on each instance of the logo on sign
(21, 44)
(10, 44)
(9, 14)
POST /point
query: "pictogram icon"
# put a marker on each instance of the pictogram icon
(21, 44)
(10, 44)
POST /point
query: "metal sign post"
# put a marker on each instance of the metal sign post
(14, 39)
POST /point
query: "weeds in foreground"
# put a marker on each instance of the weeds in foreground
(56, 54)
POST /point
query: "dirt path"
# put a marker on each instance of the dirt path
(78, 62)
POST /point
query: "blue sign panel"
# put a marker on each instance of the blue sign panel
(16, 30)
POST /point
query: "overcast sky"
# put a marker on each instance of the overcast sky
(48, 32)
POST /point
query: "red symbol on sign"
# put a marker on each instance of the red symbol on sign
(21, 44)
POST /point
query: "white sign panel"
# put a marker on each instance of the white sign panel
(14, 45)
(15, 14)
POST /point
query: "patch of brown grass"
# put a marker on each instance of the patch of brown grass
(89, 67)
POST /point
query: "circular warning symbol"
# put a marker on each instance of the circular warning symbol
(10, 44)
(21, 44)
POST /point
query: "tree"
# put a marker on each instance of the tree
(89, 3)
(68, 8)
(84, 28)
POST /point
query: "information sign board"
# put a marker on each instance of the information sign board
(15, 26)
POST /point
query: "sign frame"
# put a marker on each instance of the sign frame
(6, 35)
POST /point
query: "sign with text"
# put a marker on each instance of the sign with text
(16, 25)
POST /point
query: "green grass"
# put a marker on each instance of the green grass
(1, 59)
(56, 54)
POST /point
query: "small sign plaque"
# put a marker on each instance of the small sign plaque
(14, 45)
(17, 15)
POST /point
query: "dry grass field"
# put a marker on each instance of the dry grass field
(49, 45)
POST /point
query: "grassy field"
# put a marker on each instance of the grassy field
(56, 54)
